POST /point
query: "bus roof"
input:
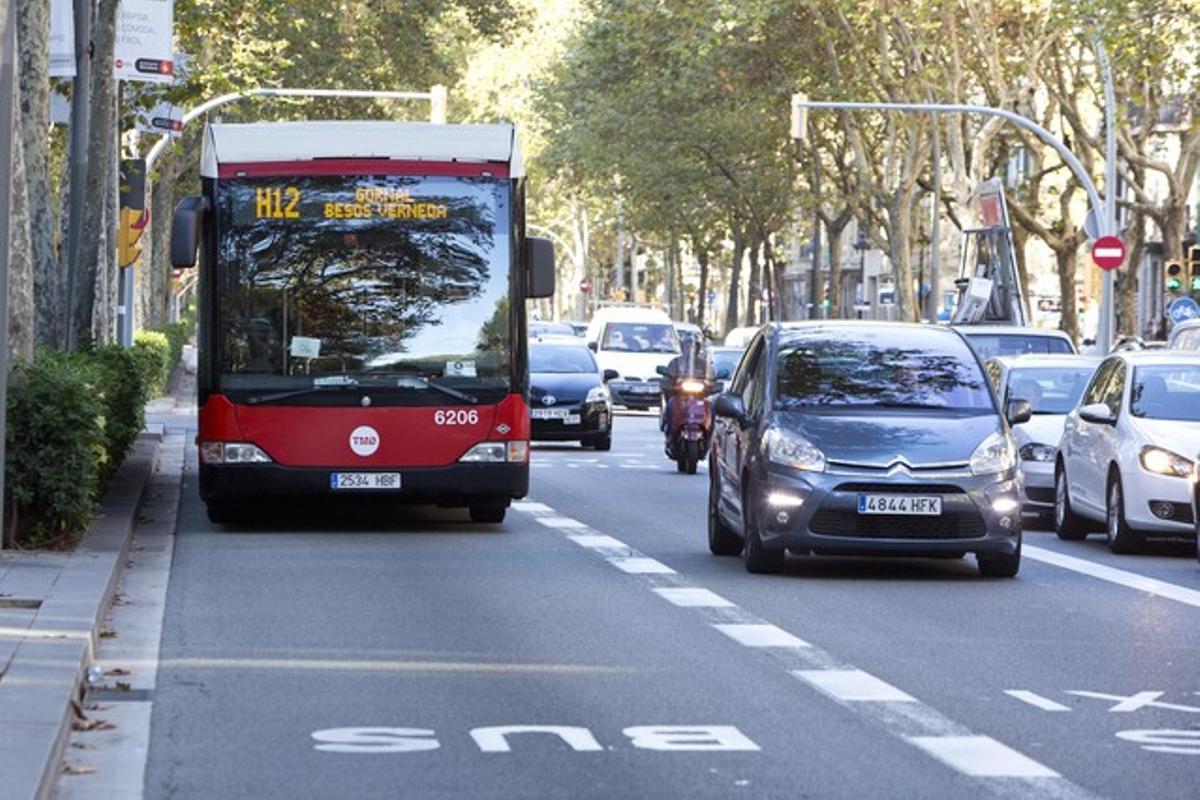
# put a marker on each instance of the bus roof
(268, 142)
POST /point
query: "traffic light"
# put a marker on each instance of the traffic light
(1194, 267)
(1173, 273)
(129, 233)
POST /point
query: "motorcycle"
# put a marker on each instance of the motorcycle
(689, 423)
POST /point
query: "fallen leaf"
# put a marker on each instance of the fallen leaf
(78, 769)
(108, 633)
(93, 725)
(116, 671)
(122, 686)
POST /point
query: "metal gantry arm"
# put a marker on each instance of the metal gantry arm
(436, 96)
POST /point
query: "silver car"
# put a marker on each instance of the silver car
(865, 439)
(1053, 386)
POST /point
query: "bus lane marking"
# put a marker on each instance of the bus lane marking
(997, 767)
(1036, 700)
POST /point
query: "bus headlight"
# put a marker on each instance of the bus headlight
(232, 453)
(515, 452)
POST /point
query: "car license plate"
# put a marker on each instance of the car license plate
(646, 389)
(907, 504)
(550, 413)
(364, 480)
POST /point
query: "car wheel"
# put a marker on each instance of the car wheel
(1002, 565)
(721, 540)
(487, 514)
(1121, 538)
(599, 442)
(1068, 525)
(759, 560)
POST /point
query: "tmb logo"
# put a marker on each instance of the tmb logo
(364, 440)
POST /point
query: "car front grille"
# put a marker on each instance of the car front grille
(900, 488)
(951, 525)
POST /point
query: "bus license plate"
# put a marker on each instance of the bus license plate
(364, 480)
(910, 505)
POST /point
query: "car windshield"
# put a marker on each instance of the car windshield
(640, 337)
(1050, 390)
(550, 329)
(877, 371)
(550, 358)
(1168, 391)
(990, 345)
(349, 275)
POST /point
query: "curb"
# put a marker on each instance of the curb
(48, 670)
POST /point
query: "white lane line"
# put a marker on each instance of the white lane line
(560, 522)
(597, 541)
(1121, 577)
(760, 635)
(692, 597)
(981, 757)
(853, 686)
(1036, 700)
(641, 565)
(530, 507)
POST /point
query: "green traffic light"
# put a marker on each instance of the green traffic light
(1196, 284)
(1174, 284)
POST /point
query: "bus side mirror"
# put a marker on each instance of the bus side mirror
(539, 261)
(185, 231)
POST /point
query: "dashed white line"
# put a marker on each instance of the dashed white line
(692, 597)
(641, 565)
(531, 507)
(597, 541)
(981, 757)
(853, 686)
(760, 635)
(560, 522)
(1036, 700)
(1131, 580)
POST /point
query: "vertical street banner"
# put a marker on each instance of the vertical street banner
(145, 41)
(62, 39)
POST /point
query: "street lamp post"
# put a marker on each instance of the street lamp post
(1102, 210)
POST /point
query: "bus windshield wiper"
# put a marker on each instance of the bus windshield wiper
(343, 383)
(419, 382)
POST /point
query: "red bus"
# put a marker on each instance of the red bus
(362, 314)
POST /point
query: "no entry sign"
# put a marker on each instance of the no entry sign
(585, 285)
(1108, 252)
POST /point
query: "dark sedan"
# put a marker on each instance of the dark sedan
(568, 398)
(864, 439)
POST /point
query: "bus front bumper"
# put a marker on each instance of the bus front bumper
(454, 485)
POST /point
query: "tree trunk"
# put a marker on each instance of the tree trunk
(834, 229)
(754, 289)
(735, 276)
(99, 182)
(702, 294)
(900, 249)
(1126, 285)
(33, 35)
(20, 260)
(1065, 257)
(775, 271)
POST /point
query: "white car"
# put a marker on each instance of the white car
(1128, 450)
(1185, 335)
(990, 341)
(634, 341)
(1052, 385)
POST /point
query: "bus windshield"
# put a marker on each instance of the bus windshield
(363, 277)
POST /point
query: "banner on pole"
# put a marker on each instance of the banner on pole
(163, 118)
(145, 46)
(62, 39)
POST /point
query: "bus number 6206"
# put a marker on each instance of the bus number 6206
(456, 417)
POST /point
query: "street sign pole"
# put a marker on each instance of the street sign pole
(8, 102)
(1104, 336)
(77, 155)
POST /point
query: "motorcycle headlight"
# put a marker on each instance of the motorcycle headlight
(597, 394)
(1038, 452)
(1164, 462)
(792, 450)
(995, 454)
(692, 386)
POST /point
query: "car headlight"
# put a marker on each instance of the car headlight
(597, 394)
(1038, 452)
(792, 450)
(995, 454)
(1164, 462)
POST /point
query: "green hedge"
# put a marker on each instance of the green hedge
(152, 350)
(125, 390)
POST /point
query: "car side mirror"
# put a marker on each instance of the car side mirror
(539, 264)
(1019, 411)
(185, 230)
(611, 375)
(1097, 413)
(730, 406)
(722, 374)
(661, 370)
(591, 346)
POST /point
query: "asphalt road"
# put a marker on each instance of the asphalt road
(334, 653)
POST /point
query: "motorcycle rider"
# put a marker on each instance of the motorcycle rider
(692, 362)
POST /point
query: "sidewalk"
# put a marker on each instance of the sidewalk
(51, 610)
